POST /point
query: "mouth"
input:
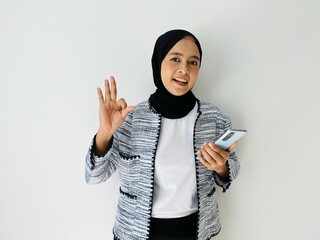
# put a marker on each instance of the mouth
(180, 81)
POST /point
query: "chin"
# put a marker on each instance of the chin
(178, 94)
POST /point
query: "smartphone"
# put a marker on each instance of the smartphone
(230, 137)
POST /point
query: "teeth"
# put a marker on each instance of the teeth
(181, 80)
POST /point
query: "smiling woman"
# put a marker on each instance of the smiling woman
(180, 67)
(164, 149)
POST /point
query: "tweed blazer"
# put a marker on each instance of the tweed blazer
(133, 151)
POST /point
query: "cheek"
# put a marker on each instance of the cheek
(195, 74)
(194, 78)
(166, 71)
(163, 70)
(163, 76)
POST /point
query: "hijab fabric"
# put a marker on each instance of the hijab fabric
(168, 105)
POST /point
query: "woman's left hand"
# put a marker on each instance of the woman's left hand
(214, 158)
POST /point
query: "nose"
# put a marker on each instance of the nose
(183, 68)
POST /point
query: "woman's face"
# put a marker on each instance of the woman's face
(180, 67)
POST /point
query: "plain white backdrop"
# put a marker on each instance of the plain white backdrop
(260, 65)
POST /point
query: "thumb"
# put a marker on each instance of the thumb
(232, 147)
(126, 110)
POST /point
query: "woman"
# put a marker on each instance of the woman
(164, 150)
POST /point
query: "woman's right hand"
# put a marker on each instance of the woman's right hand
(112, 113)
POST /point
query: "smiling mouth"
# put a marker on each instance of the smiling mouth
(180, 81)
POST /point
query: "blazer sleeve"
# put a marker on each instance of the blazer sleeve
(99, 168)
(233, 165)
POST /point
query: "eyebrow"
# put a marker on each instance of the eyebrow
(180, 54)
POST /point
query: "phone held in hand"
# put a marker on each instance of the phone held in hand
(230, 137)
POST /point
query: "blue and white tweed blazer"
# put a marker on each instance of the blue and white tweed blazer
(133, 150)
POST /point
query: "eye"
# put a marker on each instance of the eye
(174, 59)
(193, 63)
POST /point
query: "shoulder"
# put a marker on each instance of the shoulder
(210, 107)
(143, 106)
(143, 110)
(207, 106)
(135, 117)
(209, 110)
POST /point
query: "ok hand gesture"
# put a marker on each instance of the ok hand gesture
(112, 113)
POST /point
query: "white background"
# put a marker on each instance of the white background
(260, 65)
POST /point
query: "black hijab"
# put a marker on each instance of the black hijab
(168, 105)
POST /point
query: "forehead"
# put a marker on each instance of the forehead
(186, 46)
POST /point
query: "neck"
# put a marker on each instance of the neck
(171, 106)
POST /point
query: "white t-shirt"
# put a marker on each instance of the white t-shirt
(175, 187)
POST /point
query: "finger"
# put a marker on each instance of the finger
(207, 156)
(107, 90)
(222, 153)
(126, 111)
(100, 96)
(214, 154)
(113, 89)
(121, 103)
(219, 158)
(232, 147)
(203, 161)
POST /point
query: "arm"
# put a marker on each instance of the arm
(224, 164)
(100, 167)
(101, 160)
